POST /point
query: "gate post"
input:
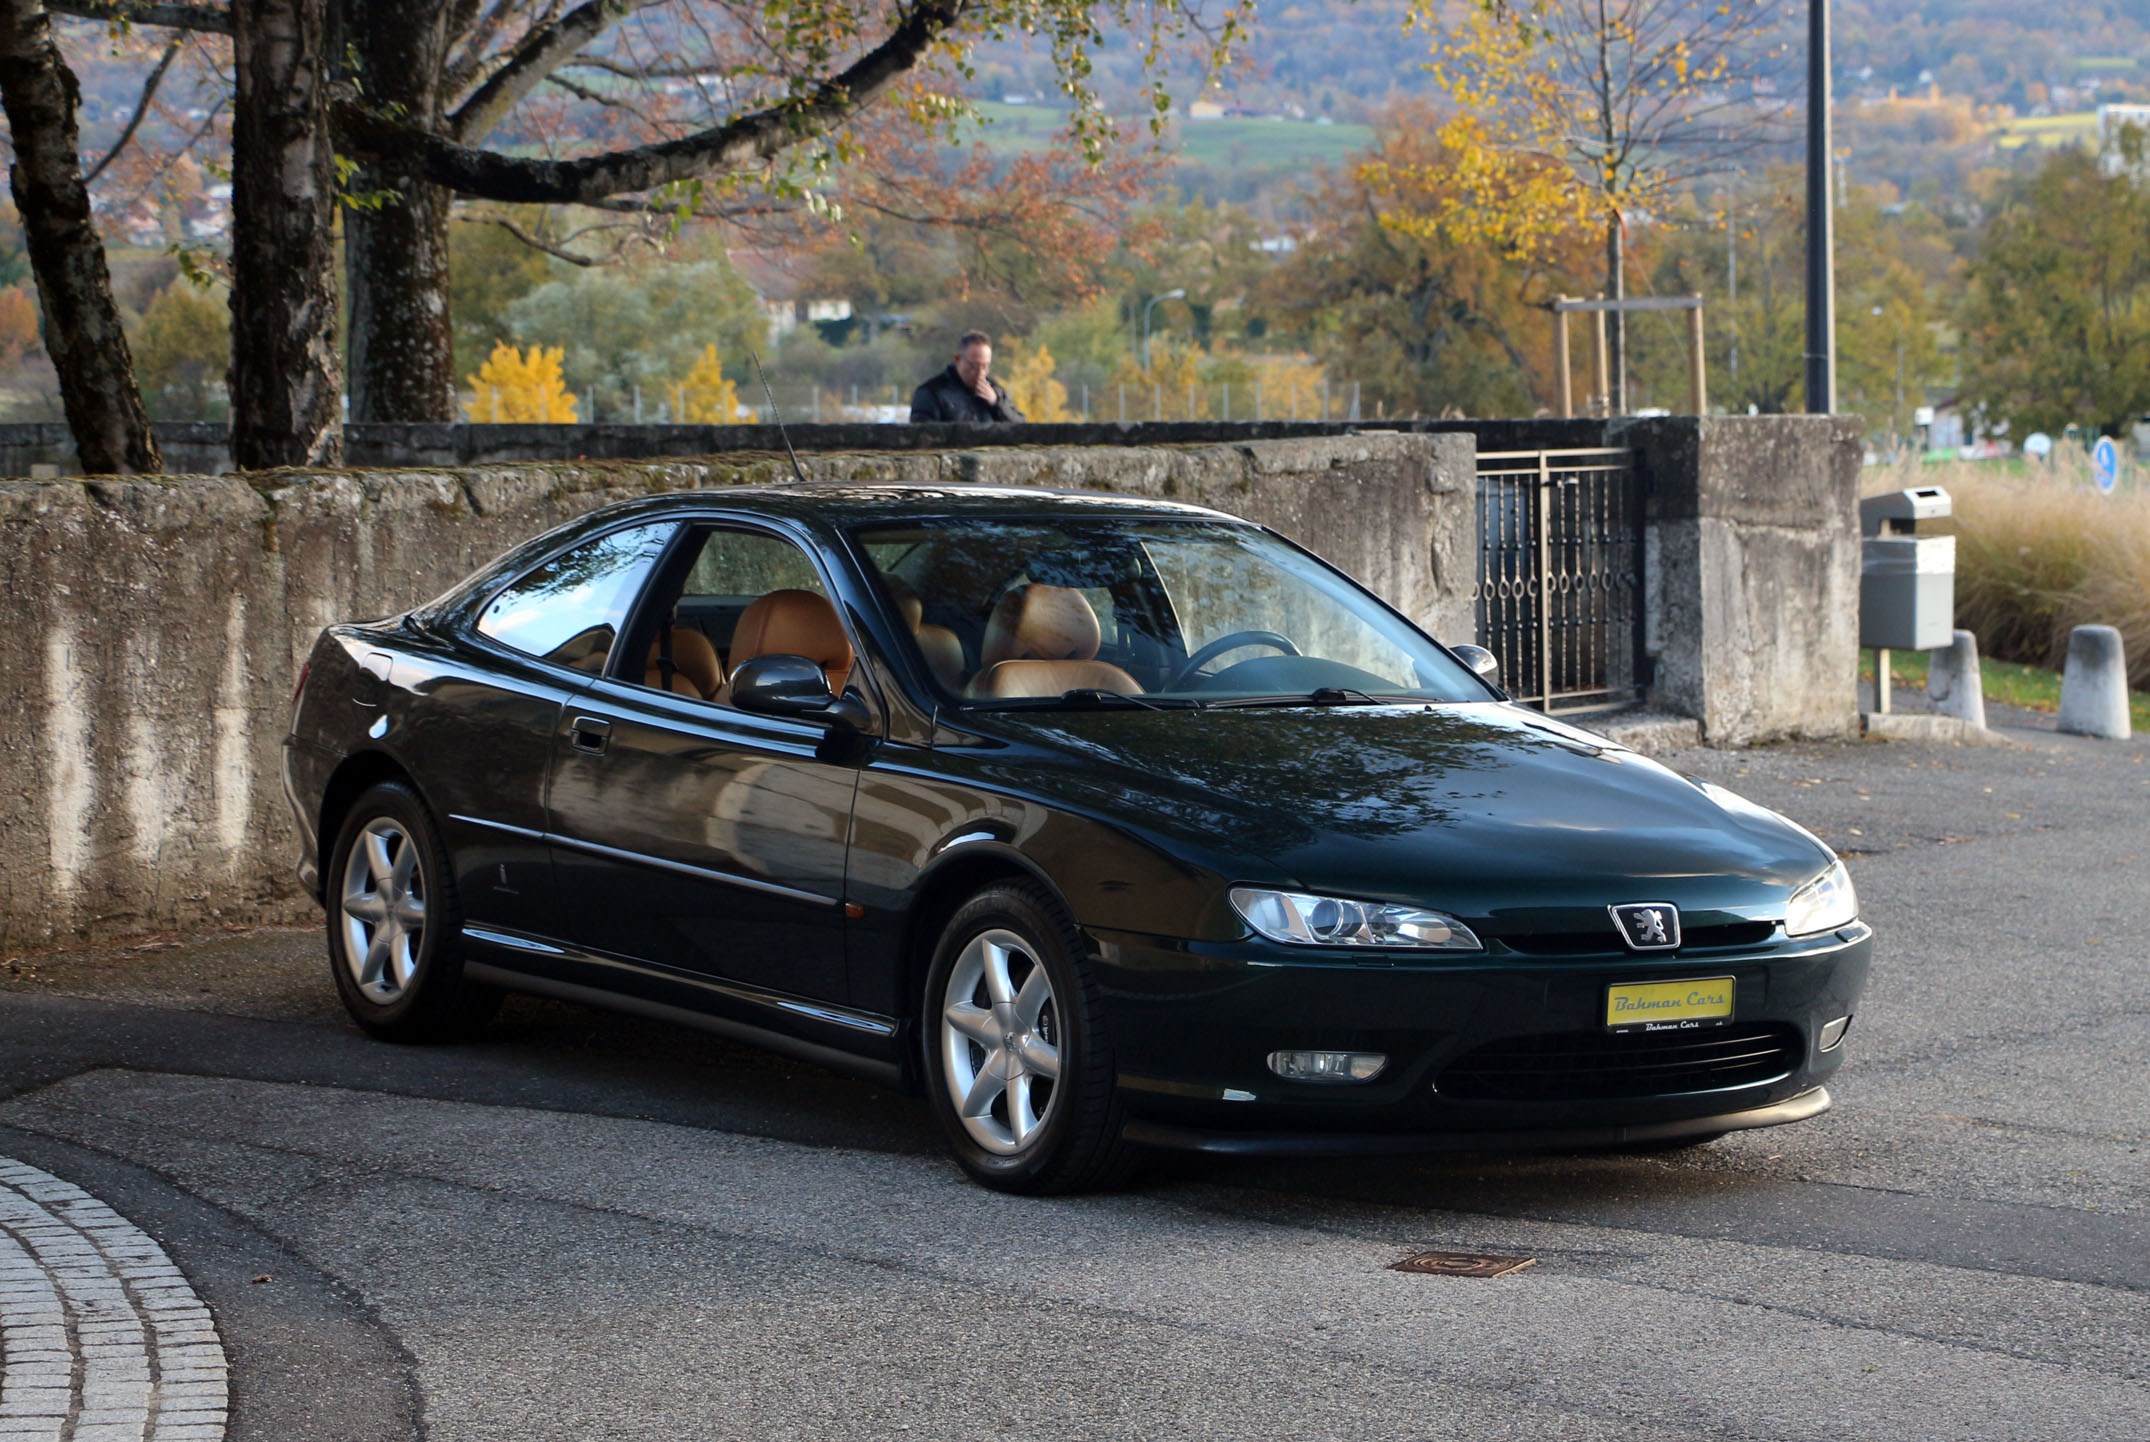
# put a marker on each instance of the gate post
(1752, 533)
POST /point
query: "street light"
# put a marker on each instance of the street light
(1176, 293)
(1821, 220)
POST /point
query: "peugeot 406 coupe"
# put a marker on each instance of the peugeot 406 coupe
(1110, 824)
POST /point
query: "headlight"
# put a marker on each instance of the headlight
(1303, 920)
(1823, 904)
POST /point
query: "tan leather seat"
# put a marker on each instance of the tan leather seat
(696, 671)
(941, 647)
(794, 623)
(1042, 640)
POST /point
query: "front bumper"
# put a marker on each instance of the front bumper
(1340, 1144)
(1193, 1024)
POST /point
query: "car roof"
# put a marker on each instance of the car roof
(848, 504)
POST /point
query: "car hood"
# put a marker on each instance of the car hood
(1487, 810)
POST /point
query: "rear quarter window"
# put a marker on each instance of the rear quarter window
(570, 609)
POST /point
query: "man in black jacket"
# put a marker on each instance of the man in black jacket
(964, 392)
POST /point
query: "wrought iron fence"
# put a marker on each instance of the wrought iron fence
(1559, 597)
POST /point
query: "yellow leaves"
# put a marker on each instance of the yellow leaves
(511, 388)
(1479, 192)
(706, 398)
(1290, 386)
(1029, 379)
(1174, 373)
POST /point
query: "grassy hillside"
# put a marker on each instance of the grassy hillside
(1251, 149)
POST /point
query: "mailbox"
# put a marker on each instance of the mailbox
(1907, 581)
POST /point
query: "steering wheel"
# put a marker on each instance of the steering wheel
(1223, 644)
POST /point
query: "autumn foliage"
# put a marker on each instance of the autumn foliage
(706, 397)
(1030, 383)
(512, 388)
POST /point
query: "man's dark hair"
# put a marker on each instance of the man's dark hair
(970, 338)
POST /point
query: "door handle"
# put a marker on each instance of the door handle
(588, 733)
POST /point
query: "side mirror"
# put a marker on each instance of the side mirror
(1483, 663)
(797, 687)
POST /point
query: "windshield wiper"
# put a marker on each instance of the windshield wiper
(1319, 696)
(1099, 696)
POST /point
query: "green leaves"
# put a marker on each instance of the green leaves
(2057, 314)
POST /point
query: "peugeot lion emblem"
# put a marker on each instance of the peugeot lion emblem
(1648, 925)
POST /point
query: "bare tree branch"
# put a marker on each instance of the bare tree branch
(474, 33)
(205, 19)
(134, 121)
(742, 141)
(609, 102)
(544, 50)
(539, 243)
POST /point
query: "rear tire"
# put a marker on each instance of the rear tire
(395, 923)
(1017, 1052)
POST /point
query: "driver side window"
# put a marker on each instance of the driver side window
(745, 594)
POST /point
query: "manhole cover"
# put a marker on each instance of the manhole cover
(1462, 1264)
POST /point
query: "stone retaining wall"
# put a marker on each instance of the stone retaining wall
(153, 627)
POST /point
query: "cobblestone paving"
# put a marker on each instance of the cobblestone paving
(101, 1338)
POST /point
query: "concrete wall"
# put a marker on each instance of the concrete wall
(1751, 571)
(154, 626)
(47, 448)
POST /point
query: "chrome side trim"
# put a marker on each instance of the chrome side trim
(873, 1026)
(749, 883)
(523, 831)
(510, 940)
(638, 858)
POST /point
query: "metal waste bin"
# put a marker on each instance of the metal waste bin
(1907, 582)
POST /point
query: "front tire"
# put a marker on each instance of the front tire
(395, 923)
(1017, 1053)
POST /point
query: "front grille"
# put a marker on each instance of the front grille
(1607, 941)
(1583, 1066)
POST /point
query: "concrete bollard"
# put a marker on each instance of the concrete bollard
(1954, 682)
(2094, 688)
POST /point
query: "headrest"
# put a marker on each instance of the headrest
(908, 605)
(1040, 623)
(792, 623)
(692, 658)
(1050, 678)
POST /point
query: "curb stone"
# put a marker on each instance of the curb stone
(102, 1339)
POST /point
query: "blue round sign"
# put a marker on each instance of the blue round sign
(2105, 463)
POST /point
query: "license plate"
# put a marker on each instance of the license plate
(1669, 1005)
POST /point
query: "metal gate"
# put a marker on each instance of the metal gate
(1559, 596)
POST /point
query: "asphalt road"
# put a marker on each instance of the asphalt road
(584, 1227)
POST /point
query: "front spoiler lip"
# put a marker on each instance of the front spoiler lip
(1810, 1103)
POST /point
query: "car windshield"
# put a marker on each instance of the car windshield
(1146, 611)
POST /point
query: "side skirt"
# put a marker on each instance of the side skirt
(781, 1036)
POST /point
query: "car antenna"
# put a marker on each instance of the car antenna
(778, 415)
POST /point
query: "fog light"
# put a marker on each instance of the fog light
(1327, 1066)
(1833, 1034)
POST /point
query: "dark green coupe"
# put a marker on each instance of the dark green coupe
(1108, 823)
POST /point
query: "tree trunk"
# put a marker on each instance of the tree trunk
(82, 326)
(396, 237)
(1616, 323)
(286, 382)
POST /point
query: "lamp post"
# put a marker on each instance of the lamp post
(1821, 219)
(1176, 293)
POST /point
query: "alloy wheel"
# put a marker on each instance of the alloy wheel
(1000, 1051)
(383, 910)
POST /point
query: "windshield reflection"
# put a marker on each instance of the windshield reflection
(1027, 613)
